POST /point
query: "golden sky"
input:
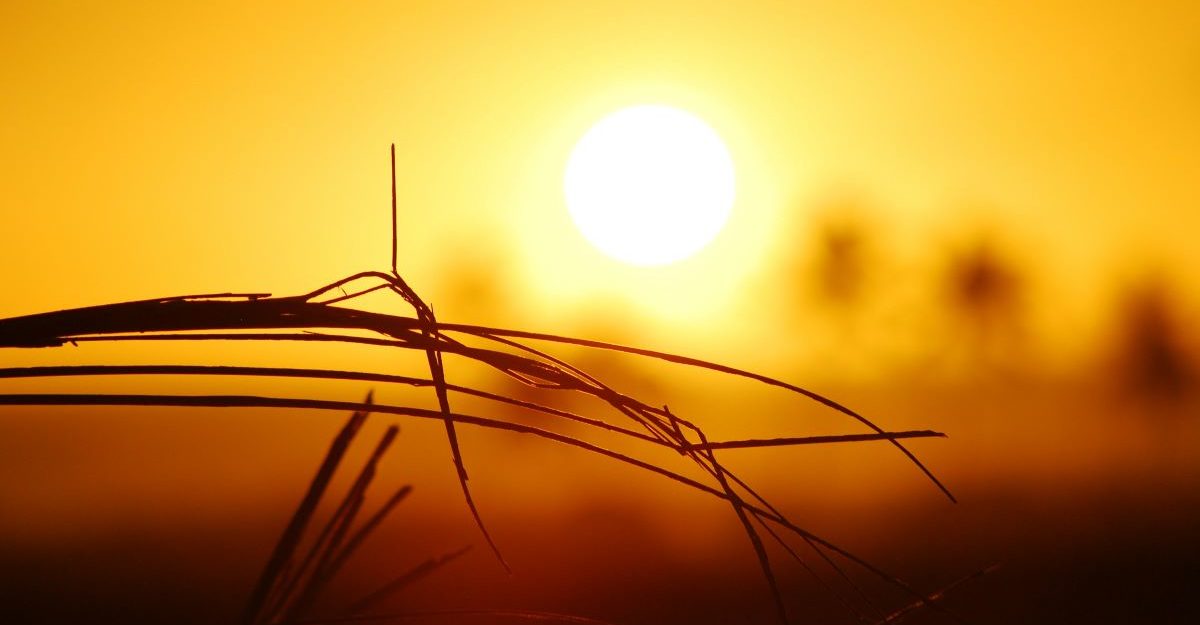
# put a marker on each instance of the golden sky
(151, 150)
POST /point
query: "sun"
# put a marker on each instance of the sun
(650, 185)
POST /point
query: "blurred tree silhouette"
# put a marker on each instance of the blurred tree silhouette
(984, 286)
(841, 265)
(984, 293)
(1152, 355)
(477, 277)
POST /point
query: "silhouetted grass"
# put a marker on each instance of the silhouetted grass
(291, 582)
(281, 561)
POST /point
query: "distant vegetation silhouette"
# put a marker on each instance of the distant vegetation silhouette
(1154, 360)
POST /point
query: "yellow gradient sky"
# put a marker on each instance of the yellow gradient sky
(149, 150)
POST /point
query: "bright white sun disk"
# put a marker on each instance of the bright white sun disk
(650, 185)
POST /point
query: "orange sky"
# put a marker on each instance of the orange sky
(155, 150)
(151, 150)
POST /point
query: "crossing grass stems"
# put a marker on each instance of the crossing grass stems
(293, 577)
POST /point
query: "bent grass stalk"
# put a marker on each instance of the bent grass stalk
(287, 588)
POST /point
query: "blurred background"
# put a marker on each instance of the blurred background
(973, 217)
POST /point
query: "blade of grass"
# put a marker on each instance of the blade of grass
(296, 596)
(817, 440)
(738, 504)
(909, 609)
(829, 589)
(353, 503)
(403, 581)
(290, 539)
(285, 372)
(367, 529)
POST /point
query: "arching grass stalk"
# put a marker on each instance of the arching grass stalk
(322, 315)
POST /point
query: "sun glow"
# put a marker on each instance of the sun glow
(650, 185)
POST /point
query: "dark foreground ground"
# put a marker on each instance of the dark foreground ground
(172, 523)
